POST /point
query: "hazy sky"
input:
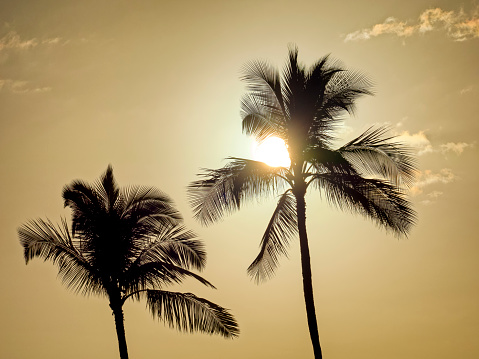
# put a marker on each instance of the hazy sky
(153, 88)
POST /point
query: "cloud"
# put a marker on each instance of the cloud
(433, 17)
(466, 90)
(427, 178)
(457, 148)
(435, 194)
(457, 25)
(389, 26)
(417, 141)
(52, 41)
(13, 41)
(422, 145)
(18, 87)
(432, 197)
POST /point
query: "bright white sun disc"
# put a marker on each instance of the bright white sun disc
(272, 151)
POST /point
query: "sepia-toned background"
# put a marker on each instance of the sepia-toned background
(152, 87)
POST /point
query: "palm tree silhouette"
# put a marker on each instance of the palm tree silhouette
(305, 107)
(128, 244)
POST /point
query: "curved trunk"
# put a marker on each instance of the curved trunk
(116, 307)
(307, 278)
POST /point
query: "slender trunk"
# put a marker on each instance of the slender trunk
(307, 278)
(120, 328)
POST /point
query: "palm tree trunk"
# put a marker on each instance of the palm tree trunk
(307, 278)
(120, 329)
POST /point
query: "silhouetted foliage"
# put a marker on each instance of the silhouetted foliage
(305, 107)
(128, 244)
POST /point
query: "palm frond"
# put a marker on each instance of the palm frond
(262, 78)
(293, 85)
(154, 274)
(84, 202)
(374, 153)
(260, 118)
(175, 245)
(224, 190)
(187, 312)
(282, 226)
(379, 200)
(328, 161)
(44, 240)
(181, 247)
(148, 202)
(342, 91)
(107, 189)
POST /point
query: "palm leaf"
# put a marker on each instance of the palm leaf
(261, 119)
(282, 226)
(224, 190)
(107, 189)
(328, 161)
(154, 274)
(293, 84)
(85, 203)
(187, 312)
(175, 245)
(373, 153)
(382, 202)
(262, 78)
(342, 91)
(44, 240)
(146, 203)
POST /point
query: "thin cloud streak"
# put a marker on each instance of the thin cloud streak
(458, 25)
(12, 40)
(466, 90)
(20, 87)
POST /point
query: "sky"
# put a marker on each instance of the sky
(153, 88)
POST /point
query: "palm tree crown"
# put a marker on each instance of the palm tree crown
(128, 243)
(305, 107)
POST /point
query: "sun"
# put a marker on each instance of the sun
(272, 151)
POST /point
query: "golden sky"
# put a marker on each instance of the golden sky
(153, 88)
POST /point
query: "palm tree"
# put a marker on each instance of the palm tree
(305, 107)
(128, 244)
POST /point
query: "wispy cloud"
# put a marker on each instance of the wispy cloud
(427, 178)
(431, 197)
(457, 25)
(12, 40)
(466, 90)
(422, 145)
(52, 41)
(390, 26)
(417, 141)
(457, 148)
(19, 87)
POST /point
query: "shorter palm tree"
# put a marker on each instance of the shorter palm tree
(128, 244)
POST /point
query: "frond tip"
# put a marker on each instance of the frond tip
(382, 202)
(187, 312)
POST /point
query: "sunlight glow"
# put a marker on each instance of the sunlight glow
(272, 151)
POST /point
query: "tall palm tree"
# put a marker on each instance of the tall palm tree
(305, 107)
(128, 244)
